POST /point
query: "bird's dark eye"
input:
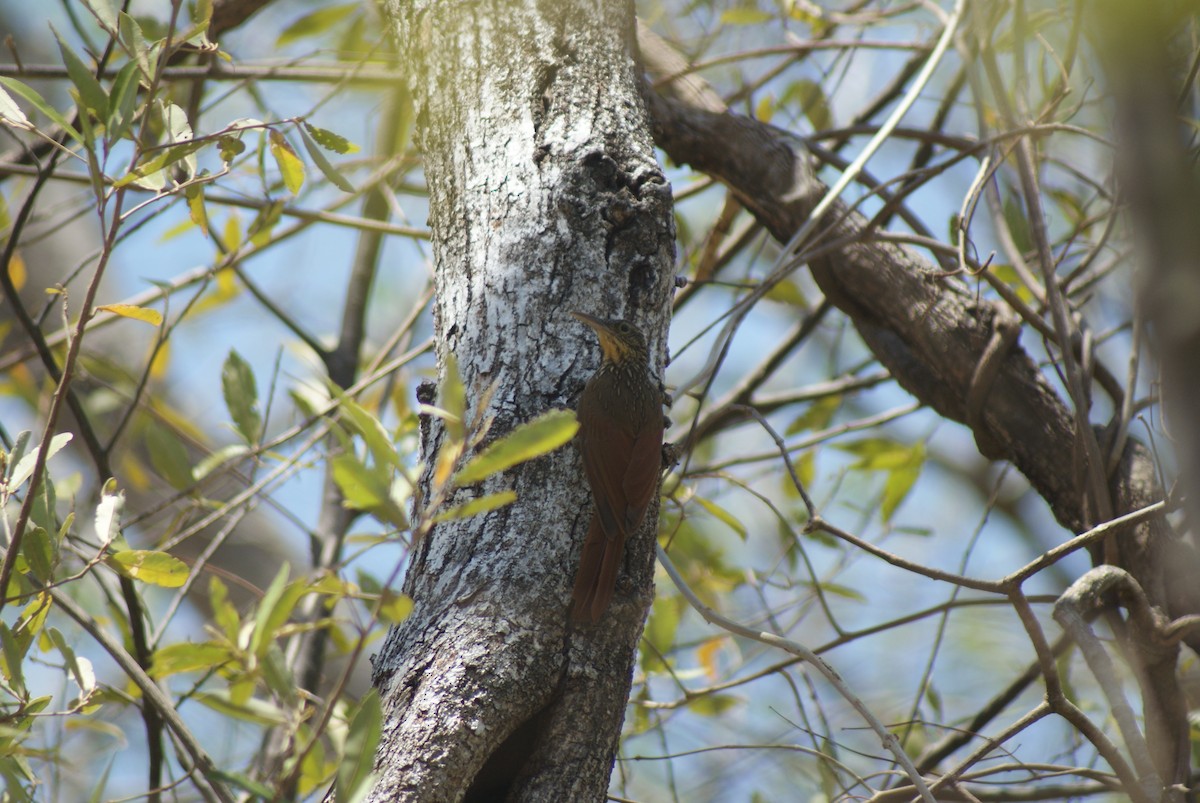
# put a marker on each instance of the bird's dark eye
(624, 328)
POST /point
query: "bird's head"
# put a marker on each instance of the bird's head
(619, 340)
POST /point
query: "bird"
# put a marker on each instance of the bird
(620, 439)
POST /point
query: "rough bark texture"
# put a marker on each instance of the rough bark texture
(544, 197)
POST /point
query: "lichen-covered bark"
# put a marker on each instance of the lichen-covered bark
(544, 197)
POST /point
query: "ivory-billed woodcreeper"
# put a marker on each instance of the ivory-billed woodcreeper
(620, 439)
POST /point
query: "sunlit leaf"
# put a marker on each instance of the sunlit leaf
(367, 488)
(124, 102)
(135, 43)
(188, 657)
(91, 94)
(24, 467)
(39, 103)
(290, 166)
(149, 566)
(323, 164)
(331, 141)
(532, 439)
(144, 314)
(104, 12)
(745, 16)
(196, 211)
(373, 433)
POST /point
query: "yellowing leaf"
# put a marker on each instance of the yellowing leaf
(196, 210)
(16, 270)
(148, 566)
(186, 657)
(161, 360)
(706, 654)
(150, 316)
(744, 16)
(532, 439)
(723, 515)
(290, 166)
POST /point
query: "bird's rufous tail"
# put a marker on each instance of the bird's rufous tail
(596, 578)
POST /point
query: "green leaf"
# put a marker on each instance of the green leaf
(660, 631)
(135, 43)
(1008, 275)
(24, 469)
(195, 204)
(91, 94)
(274, 610)
(13, 654)
(452, 397)
(217, 458)
(373, 433)
(188, 657)
(104, 13)
(124, 102)
(723, 515)
(169, 457)
(900, 481)
(877, 454)
(241, 397)
(315, 22)
(253, 710)
(324, 165)
(276, 675)
(712, 705)
(151, 174)
(362, 738)
(532, 439)
(901, 462)
(39, 103)
(331, 141)
(149, 566)
(367, 489)
(476, 506)
(38, 552)
(230, 147)
(394, 608)
(813, 103)
(224, 614)
(290, 166)
(745, 16)
(259, 232)
(1018, 223)
(80, 668)
(818, 415)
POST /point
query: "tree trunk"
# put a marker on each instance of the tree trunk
(544, 197)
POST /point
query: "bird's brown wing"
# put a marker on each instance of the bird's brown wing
(641, 475)
(606, 448)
